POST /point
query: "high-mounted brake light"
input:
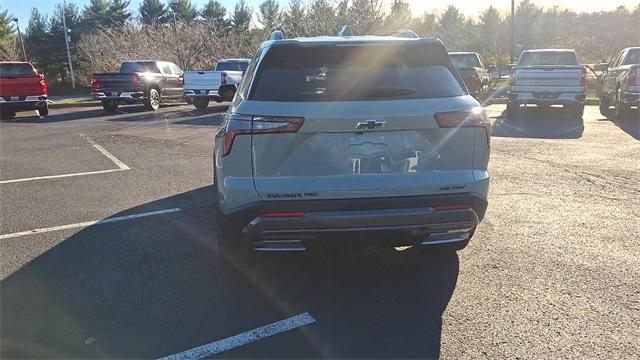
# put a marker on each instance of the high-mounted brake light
(583, 77)
(477, 117)
(239, 124)
(633, 76)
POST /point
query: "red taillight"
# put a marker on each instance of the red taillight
(451, 207)
(512, 77)
(136, 81)
(246, 124)
(43, 85)
(95, 85)
(633, 76)
(583, 77)
(283, 214)
(457, 119)
(223, 78)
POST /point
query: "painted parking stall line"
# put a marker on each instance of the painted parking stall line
(121, 166)
(244, 338)
(89, 223)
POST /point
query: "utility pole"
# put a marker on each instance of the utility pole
(24, 53)
(513, 40)
(66, 42)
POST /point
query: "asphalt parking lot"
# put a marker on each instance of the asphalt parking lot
(108, 250)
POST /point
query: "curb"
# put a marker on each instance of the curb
(589, 102)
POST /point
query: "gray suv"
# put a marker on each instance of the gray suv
(354, 141)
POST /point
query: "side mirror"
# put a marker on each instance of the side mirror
(493, 68)
(227, 91)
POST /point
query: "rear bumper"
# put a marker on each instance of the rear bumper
(377, 222)
(29, 103)
(552, 98)
(123, 97)
(197, 94)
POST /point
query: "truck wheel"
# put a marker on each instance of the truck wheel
(7, 114)
(512, 110)
(604, 106)
(201, 103)
(43, 110)
(622, 109)
(578, 110)
(152, 101)
(110, 105)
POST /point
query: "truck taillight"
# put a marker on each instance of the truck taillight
(512, 77)
(223, 78)
(583, 77)
(239, 124)
(633, 76)
(136, 82)
(477, 117)
(43, 85)
(95, 85)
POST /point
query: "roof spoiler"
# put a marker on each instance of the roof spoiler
(276, 35)
(405, 33)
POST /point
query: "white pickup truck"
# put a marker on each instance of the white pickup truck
(548, 77)
(202, 86)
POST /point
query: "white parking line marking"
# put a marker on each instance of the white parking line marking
(232, 342)
(121, 166)
(88, 223)
(115, 160)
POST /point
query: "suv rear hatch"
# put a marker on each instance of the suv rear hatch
(360, 121)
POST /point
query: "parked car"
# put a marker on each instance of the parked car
(308, 157)
(472, 69)
(141, 81)
(548, 77)
(22, 88)
(620, 83)
(202, 86)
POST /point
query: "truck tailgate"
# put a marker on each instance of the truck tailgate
(202, 80)
(114, 81)
(563, 79)
(20, 85)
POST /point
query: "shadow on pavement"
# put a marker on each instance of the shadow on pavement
(71, 114)
(630, 125)
(156, 286)
(181, 113)
(532, 122)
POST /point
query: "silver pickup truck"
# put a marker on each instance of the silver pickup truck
(548, 77)
(620, 84)
(202, 86)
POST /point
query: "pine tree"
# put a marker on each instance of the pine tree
(216, 13)
(6, 25)
(269, 15)
(293, 19)
(399, 18)
(452, 25)
(241, 17)
(152, 12)
(183, 10)
(118, 13)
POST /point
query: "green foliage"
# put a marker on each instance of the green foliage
(6, 25)
(292, 19)
(241, 17)
(217, 14)
(118, 13)
(269, 15)
(453, 29)
(399, 17)
(152, 12)
(183, 10)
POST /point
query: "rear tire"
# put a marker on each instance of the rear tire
(43, 110)
(152, 100)
(578, 111)
(7, 114)
(604, 106)
(512, 110)
(110, 105)
(201, 103)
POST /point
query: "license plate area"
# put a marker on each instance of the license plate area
(546, 95)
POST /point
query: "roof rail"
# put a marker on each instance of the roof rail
(276, 35)
(346, 31)
(405, 33)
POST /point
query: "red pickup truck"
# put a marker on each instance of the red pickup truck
(22, 88)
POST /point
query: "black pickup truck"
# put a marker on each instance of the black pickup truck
(141, 81)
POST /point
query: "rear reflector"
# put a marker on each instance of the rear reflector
(451, 207)
(283, 215)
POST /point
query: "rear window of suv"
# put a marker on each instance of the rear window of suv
(133, 67)
(354, 73)
(558, 58)
(16, 69)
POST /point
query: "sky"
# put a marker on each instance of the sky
(22, 8)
